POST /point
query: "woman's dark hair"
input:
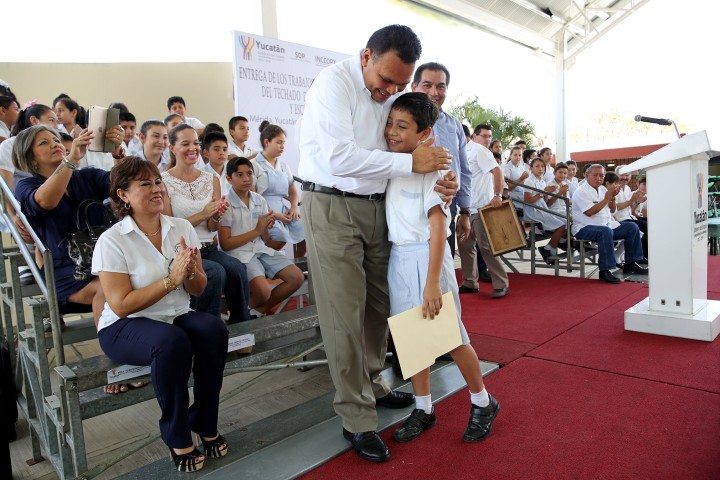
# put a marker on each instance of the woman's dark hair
(527, 153)
(172, 138)
(419, 105)
(23, 120)
(72, 105)
(268, 132)
(492, 144)
(543, 151)
(129, 169)
(148, 124)
(232, 165)
(5, 90)
(535, 160)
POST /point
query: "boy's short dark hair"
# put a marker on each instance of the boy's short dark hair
(66, 137)
(398, 38)
(212, 137)
(570, 162)
(173, 100)
(234, 121)
(127, 117)
(233, 164)
(419, 105)
(560, 165)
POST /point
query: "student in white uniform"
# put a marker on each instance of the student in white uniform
(243, 233)
(176, 104)
(420, 268)
(240, 133)
(215, 149)
(515, 170)
(549, 222)
(571, 177)
(276, 183)
(546, 154)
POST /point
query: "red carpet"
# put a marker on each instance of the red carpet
(590, 401)
(560, 422)
(602, 343)
(539, 307)
(498, 350)
(714, 274)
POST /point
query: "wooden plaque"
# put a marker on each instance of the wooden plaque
(503, 228)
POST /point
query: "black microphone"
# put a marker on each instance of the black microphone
(659, 121)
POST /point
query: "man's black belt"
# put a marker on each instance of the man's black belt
(314, 187)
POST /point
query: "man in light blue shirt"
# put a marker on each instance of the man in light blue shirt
(433, 79)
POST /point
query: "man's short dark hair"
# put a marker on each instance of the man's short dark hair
(398, 38)
(173, 100)
(482, 126)
(433, 67)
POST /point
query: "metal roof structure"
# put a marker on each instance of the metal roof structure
(557, 29)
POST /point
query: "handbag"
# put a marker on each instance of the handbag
(81, 243)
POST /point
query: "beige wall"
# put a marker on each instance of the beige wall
(144, 87)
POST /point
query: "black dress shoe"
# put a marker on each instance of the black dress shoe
(499, 292)
(395, 400)
(464, 289)
(368, 446)
(545, 254)
(634, 268)
(484, 276)
(607, 276)
(415, 425)
(481, 420)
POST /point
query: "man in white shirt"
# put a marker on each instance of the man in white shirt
(345, 165)
(472, 263)
(592, 208)
(486, 189)
(627, 200)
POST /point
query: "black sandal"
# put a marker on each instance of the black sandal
(185, 462)
(215, 448)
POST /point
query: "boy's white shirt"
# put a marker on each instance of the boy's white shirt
(407, 203)
(241, 219)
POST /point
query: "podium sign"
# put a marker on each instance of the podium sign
(677, 242)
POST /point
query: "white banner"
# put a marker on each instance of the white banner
(271, 78)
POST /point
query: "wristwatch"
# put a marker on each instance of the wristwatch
(498, 195)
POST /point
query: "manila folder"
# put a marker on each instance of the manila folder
(419, 341)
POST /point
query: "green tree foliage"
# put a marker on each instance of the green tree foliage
(506, 127)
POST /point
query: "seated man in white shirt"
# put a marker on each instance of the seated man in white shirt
(627, 200)
(592, 209)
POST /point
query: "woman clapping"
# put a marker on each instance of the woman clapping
(149, 265)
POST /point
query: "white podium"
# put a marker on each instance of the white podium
(677, 244)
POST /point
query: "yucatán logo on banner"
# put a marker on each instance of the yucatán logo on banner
(247, 44)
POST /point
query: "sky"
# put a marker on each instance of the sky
(658, 62)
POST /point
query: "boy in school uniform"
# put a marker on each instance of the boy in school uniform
(176, 104)
(244, 229)
(421, 269)
(128, 122)
(240, 133)
(215, 149)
